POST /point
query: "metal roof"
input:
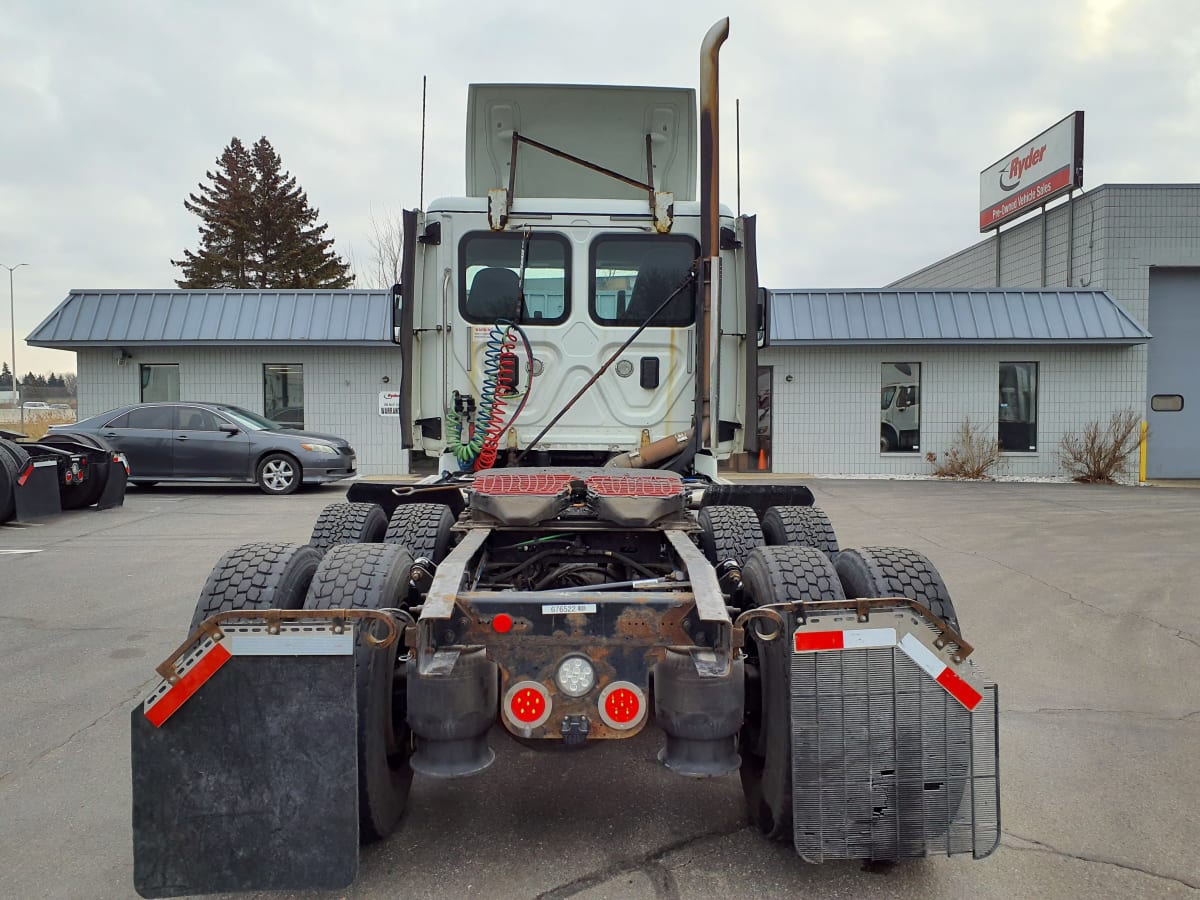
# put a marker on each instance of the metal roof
(813, 318)
(206, 318)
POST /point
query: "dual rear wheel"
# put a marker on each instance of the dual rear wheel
(348, 576)
(788, 573)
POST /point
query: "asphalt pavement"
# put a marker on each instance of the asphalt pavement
(1080, 600)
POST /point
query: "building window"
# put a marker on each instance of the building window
(491, 266)
(283, 393)
(1018, 407)
(900, 408)
(160, 382)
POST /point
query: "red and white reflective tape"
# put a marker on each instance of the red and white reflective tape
(161, 706)
(940, 672)
(241, 640)
(881, 638)
(855, 639)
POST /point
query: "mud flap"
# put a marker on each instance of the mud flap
(36, 491)
(113, 494)
(252, 783)
(895, 745)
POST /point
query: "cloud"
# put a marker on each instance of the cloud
(864, 126)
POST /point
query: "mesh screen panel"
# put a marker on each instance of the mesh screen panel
(886, 764)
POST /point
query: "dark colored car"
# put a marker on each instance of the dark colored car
(216, 442)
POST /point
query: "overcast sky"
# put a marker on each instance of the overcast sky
(864, 124)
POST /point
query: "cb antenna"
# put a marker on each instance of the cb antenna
(421, 191)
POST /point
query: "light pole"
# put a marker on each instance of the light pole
(12, 323)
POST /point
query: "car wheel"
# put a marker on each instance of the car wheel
(278, 473)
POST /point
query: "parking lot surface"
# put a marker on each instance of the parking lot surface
(1081, 602)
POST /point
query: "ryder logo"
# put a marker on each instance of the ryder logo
(1018, 166)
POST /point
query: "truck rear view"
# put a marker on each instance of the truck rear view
(579, 342)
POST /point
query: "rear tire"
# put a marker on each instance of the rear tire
(8, 486)
(771, 575)
(348, 523)
(373, 576)
(424, 528)
(257, 576)
(799, 526)
(896, 572)
(729, 532)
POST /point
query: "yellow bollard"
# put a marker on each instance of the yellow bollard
(1142, 453)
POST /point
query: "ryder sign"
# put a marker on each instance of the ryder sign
(1049, 165)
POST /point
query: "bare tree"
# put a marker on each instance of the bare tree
(387, 250)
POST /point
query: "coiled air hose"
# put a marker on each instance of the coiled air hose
(499, 378)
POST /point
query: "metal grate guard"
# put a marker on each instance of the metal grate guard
(886, 764)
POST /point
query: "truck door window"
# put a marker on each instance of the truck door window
(489, 273)
(632, 274)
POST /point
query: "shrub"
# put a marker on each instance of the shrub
(1101, 452)
(972, 455)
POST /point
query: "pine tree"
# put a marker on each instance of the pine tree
(226, 211)
(5, 377)
(257, 229)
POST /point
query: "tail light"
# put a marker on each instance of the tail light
(622, 705)
(527, 704)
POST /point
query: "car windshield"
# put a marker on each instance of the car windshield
(247, 419)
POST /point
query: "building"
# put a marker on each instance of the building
(321, 360)
(1140, 244)
(869, 381)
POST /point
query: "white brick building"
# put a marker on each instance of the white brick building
(329, 349)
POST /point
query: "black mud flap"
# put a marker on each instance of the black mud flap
(113, 494)
(251, 784)
(36, 491)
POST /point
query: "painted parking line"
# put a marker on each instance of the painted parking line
(20, 551)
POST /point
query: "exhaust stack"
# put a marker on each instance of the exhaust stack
(710, 227)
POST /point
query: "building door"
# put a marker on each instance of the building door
(1173, 375)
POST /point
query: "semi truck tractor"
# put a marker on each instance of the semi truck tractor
(579, 335)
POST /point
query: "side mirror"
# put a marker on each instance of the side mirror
(229, 428)
(762, 329)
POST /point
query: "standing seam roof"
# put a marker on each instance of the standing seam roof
(950, 317)
(99, 318)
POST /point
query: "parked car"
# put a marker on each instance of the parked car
(216, 442)
(35, 404)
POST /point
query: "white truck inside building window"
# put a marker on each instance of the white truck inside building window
(900, 407)
(1017, 415)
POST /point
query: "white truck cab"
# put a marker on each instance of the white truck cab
(543, 273)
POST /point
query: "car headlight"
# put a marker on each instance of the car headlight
(320, 448)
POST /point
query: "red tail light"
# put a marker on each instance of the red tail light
(622, 705)
(527, 704)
